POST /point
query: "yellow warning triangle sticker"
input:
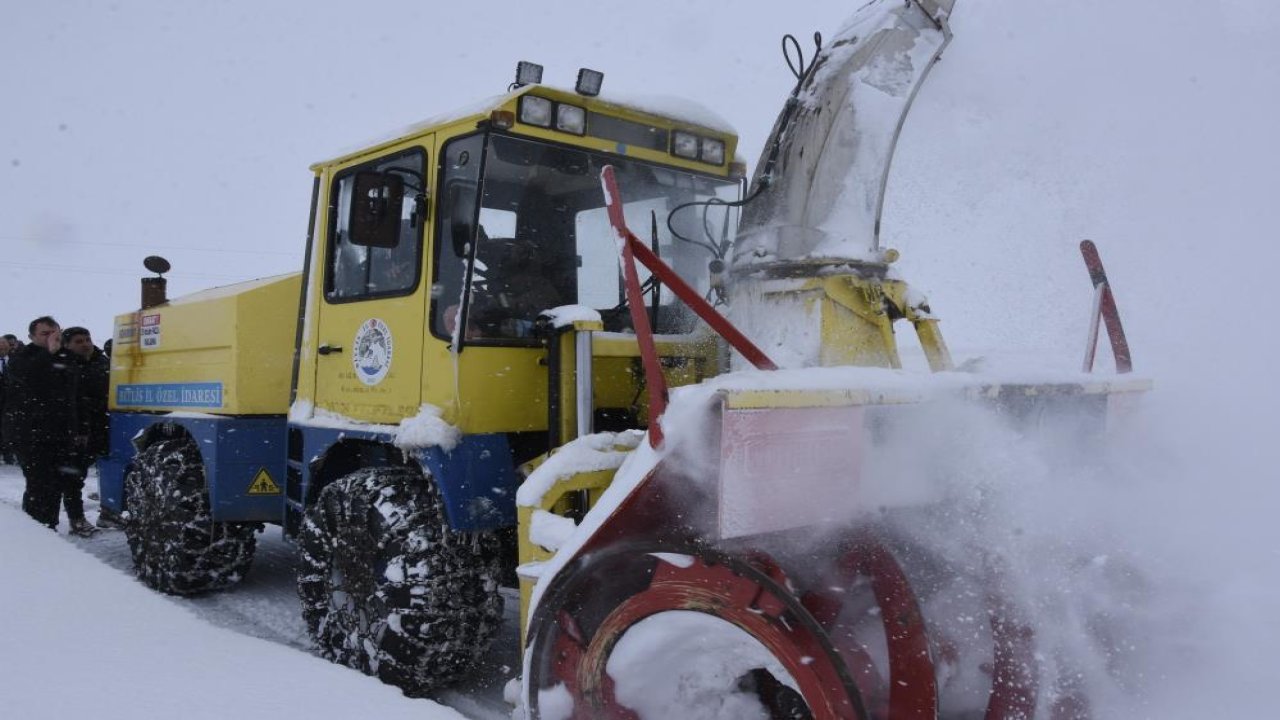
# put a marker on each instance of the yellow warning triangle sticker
(263, 484)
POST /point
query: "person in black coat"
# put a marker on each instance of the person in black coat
(94, 371)
(94, 379)
(41, 421)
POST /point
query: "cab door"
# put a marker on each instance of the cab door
(370, 320)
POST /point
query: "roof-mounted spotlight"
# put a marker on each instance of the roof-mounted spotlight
(528, 73)
(589, 82)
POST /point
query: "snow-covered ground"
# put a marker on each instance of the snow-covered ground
(83, 637)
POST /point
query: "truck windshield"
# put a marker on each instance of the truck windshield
(543, 238)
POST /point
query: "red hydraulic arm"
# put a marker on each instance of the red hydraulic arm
(632, 250)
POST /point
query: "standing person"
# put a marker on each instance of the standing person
(94, 370)
(40, 420)
(6, 457)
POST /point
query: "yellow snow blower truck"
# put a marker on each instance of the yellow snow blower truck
(563, 336)
(380, 404)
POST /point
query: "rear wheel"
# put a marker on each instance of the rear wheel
(389, 589)
(176, 546)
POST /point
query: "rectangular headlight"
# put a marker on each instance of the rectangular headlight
(684, 145)
(535, 110)
(712, 151)
(571, 118)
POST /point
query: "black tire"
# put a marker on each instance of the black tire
(389, 589)
(176, 546)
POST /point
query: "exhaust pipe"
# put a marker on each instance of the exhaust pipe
(154, 288)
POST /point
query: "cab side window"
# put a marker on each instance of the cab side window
(375, 231)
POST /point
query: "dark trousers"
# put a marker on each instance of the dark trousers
(53, 478)
(75, 472)
(6, 452)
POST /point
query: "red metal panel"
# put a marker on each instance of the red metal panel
(783, 468)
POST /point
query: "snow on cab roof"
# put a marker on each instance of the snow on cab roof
(676, 108)
(680, 110)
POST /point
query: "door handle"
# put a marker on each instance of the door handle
(326, 349)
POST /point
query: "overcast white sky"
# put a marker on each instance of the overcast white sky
(183, 128)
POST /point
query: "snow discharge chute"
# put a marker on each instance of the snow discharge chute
(821, 178)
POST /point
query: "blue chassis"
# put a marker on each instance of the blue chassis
(477, 479)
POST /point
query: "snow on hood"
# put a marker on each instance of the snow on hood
(566, 315)
(601, 451)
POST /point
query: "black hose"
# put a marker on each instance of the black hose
(801, 71)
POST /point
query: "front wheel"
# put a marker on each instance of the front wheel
(177, 547)
(389, 589)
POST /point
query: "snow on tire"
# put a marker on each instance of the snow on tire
(176, 546)
(389, 589)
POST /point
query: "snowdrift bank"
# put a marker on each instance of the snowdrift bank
(80, 638)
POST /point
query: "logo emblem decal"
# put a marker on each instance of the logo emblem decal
(372, 354)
